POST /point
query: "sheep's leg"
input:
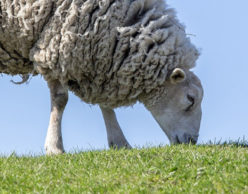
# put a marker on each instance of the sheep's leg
(115, 135)
(59, 98)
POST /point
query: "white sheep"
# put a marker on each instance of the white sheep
(108, 52)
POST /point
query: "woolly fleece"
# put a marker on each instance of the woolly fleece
(108, 52)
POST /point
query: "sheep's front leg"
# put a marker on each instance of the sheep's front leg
(59, 98)
(115, 135)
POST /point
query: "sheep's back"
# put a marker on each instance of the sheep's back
(110, 52)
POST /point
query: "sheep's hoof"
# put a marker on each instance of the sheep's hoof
(53, 151)
(119, 145)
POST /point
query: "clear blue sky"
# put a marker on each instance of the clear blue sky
(221, 32)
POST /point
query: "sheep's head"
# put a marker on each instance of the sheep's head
(178, 108)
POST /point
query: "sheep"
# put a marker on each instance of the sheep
(111, 53)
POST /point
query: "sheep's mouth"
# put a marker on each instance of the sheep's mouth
(185, 139)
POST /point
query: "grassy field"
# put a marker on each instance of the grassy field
(170, 169)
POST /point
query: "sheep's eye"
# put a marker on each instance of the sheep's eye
(192, 101)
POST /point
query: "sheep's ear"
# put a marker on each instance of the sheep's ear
(178, 75)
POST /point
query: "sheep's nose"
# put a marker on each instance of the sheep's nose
(185, 139)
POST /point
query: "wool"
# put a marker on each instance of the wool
(21, 23)
(108, 52)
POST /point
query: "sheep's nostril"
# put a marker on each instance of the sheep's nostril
(191, 99)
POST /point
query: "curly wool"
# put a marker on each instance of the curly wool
(21, 22)
(108, 52)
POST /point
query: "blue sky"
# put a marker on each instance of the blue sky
(219, 30)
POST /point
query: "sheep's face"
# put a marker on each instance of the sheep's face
(178, 109)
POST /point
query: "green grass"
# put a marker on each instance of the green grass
(169, 169)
